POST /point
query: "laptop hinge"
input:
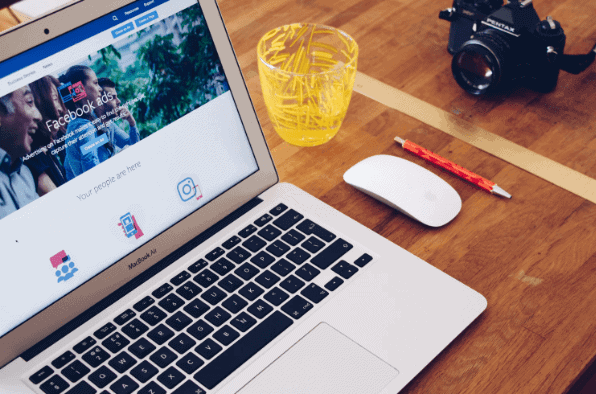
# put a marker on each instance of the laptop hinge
(137, 281)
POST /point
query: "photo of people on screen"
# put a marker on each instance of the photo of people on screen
(63, 124)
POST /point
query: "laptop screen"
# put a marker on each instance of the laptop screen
(109, 135)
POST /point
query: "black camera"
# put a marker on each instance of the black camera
(495, 44)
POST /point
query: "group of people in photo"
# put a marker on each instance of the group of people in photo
(29, 123)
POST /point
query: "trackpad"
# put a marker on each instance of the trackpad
(324, 361)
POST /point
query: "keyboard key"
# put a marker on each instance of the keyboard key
(234, 303)
(162, 290)
(102, 377)
(122, 362)
(41, 375)
(283, 267)
(196, 308)
(182, 343)
(243, 322)
(200, 330)
(144, 371)
(262, 259)
(291, 284)
(260, 309)
(143, 304)
(206, 278)
(189, 290)
(152, 388)
(247, 231)
(215, 253)
(241, 351)
(95, 357)
(124, 317)
(307, 272)
(230, 243)
(267, 279)
(230, 283)
(363, 260)
(263, 220)
(269, 233)
(251, 291)
(314, 293)
(134, 329)
(180, 278)
(313, 244)
(178, 321)
(222, 266)
(344, 269)
(288, 219)
(293, 237)
(84, 345)
(163, 357)
(199, 265)
(115, 343)
(190, 363)
(105, 331)
(82, 388)
(153, 316)
(238, 255)
(124, 385)
(214, 295)
(64, 359)
(226, 335)
(276, 296)
(246, 271)
(160, 334)
(189, 387)
(217, 316)
(171, 303)
(278, 248)
(171, 377)
(254, 243)
(75, 371)
(278, 209)
(208, 349)
(141, 348)
(334, 283)
(331, 253)
(297, 307)
(308, 227)
(298, 256)
(55, 385)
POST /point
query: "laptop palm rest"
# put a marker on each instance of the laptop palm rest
(324, 361)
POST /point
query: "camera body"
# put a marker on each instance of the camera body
(495, 44)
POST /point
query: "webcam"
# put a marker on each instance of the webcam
(47, 31)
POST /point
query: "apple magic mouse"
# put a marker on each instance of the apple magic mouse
(407, 187)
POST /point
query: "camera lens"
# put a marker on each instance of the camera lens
(481, 64)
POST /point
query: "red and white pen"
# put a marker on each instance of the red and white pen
(450, 166)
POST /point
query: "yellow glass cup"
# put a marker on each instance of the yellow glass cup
(307, 74)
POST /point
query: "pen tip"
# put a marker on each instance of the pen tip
(500, 192)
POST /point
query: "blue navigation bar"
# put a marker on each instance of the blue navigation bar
(146, 19)
(123, 30)
(77, 35)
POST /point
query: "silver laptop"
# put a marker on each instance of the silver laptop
(148, 246)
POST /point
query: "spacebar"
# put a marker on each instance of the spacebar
(237, 354)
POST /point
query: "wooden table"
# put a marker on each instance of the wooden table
(533, 257)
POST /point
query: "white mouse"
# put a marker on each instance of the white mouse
(407, 187)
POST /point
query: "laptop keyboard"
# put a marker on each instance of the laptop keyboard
(189, 334)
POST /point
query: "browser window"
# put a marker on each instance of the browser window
(109, 135)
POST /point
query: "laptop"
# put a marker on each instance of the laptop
(148, 246)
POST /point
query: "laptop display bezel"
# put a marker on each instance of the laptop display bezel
(70, 306)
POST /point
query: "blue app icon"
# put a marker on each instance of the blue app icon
(187, 189)
(128, 225)
(66, 270)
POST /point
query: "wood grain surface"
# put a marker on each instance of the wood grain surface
(533, 257)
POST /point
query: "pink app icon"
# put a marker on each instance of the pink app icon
(58, 259)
